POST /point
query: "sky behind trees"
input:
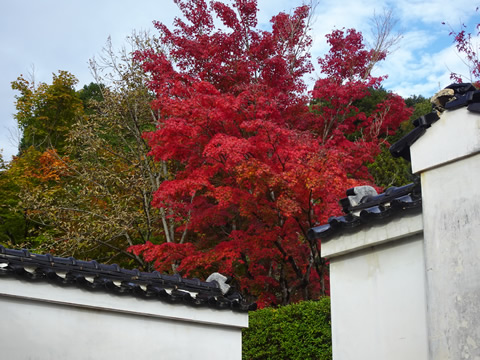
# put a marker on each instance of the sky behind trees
(42, 37)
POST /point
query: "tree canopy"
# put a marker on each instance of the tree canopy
(92, 198)
(260, 161)
(45, 113)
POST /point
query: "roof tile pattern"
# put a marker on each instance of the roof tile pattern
(369, 209)
(93, 276)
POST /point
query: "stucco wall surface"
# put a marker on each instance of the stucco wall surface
(57, 327)
(454, 136)
(374, 234)
(379, 302)
(452, 247)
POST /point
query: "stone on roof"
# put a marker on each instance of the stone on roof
(93, 276)
(369, 209)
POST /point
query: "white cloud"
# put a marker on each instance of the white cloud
(436, 11)
(58, 34)
(422, 72)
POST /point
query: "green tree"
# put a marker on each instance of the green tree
(93, 198)
(25, 184)
(12, 219)
(389, 171)
(45, 113)
(91, 94)
(109, 207)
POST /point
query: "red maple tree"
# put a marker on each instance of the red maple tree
(261, 160)
(469, 49)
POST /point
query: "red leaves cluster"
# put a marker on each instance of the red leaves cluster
(469, 48)
(260, 162)
(349, 60)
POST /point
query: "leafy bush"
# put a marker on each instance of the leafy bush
(296, 331)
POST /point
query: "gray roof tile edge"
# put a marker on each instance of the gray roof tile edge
(92, 276)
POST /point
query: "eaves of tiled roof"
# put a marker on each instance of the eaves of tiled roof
(363, 206)
(93, 276)
(452, 97)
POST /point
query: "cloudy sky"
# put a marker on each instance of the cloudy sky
(41, 37)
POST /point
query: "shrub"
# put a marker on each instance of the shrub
(297, 331)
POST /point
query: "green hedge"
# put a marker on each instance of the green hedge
(298, 331)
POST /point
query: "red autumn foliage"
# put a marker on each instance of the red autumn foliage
(261, 161)
(468, 47)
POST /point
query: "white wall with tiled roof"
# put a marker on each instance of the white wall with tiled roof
(378, 292)
(404, 291)
(40, 321)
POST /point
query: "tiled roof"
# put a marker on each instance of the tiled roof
(452, 97)
(364, 206)
(93, 276)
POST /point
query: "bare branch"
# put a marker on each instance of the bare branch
(385, 39)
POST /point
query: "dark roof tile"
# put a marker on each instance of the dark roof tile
(369, 209)
(463, 95)
(111, 278)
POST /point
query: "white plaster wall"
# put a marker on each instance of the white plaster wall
(45, 329)
(455, 135)
(374, 234)
(451, 198)
(74, 296)
(379, 302)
